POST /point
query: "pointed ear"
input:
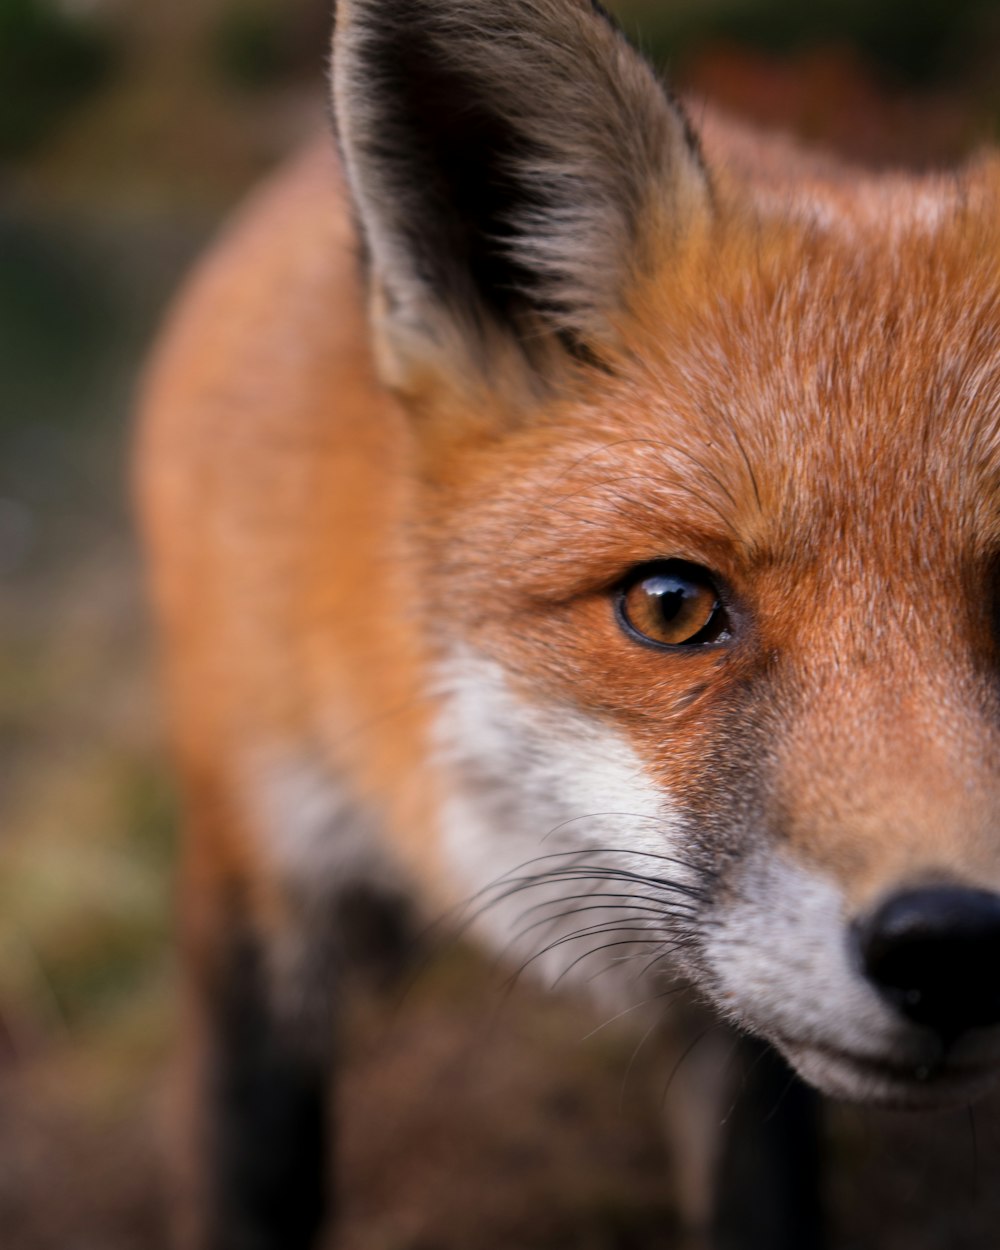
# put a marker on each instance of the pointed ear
(516, 167)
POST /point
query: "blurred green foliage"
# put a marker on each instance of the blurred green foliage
(247, 45)
(914, 41)
(257, 43)
(55, 321)
(50, 60)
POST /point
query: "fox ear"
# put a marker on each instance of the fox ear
(515, 166)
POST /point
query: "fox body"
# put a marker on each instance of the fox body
(552, 509)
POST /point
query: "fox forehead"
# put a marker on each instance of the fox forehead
(787, 395)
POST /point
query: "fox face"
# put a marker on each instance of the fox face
(705, 531)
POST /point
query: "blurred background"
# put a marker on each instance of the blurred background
(126, 132)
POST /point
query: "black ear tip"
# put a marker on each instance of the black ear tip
(607, 16)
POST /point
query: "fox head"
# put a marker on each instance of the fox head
(707, 518)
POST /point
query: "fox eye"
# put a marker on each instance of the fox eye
(673, 604)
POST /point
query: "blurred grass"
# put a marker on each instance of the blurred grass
(83, 895)
(87, 814)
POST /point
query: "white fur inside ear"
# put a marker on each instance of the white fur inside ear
(533, 788)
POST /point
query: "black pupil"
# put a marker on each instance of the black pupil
(671, 595)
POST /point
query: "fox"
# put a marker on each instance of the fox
(585, 524)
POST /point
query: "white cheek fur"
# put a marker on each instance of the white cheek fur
(536, 787)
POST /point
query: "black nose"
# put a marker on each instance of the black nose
(935, 955)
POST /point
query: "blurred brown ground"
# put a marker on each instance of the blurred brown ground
(465, 1124)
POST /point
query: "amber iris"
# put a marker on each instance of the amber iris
(673, 604)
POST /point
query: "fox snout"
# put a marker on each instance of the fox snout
(897, 1003)
(932, 955)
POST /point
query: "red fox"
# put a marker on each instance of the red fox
(560, 513)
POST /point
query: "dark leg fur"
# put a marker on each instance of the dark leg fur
(268, 1095)
(253, 1166)
(769, 1172)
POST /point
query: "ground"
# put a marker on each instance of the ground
(470, 1118)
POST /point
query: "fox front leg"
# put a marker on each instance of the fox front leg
(745, 1134)
(769, 1166)
(252, 1149)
